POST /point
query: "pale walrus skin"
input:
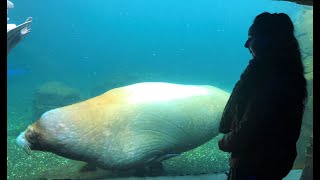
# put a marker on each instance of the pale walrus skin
(131, 126)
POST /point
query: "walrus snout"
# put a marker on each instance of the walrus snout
(29, 140)
(23, 142)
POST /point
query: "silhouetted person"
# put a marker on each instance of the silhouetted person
(263, 116)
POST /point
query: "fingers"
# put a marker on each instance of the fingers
(28, 19)
(25, 31)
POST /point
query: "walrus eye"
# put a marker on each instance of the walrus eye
(33, 135)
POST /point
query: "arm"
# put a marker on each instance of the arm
(17, 33)
(227, 116)
(226, 120)
(253, 126)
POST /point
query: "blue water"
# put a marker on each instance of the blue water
(14, 72)
(84, 42)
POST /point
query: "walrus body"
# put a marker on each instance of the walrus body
(131, 126)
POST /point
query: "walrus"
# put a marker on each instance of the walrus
(131, 126)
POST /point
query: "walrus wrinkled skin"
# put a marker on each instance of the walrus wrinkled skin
(131, 126)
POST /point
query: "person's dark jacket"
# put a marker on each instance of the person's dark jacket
(262, 118)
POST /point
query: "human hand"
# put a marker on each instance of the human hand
(27, 28)
(15, 34)
(220, 143)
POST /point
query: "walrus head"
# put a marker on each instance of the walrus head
(35, 137)
(29, 139)
(44, 135)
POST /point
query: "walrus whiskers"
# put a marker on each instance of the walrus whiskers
(22, 142)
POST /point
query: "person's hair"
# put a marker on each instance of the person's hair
(277, 45)
(275, 36)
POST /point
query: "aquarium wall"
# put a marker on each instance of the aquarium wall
(79, 49)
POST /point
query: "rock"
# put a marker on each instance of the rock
(51, 95)
(304, 34)
(307, 173)
(308, 67)
(302, 2)
(306, 129)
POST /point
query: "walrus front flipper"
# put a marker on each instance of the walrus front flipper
(88, 167)
(154, 169)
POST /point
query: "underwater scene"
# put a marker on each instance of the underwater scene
(76, 50)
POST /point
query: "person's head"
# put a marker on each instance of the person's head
(272, 42)
(271, 34)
